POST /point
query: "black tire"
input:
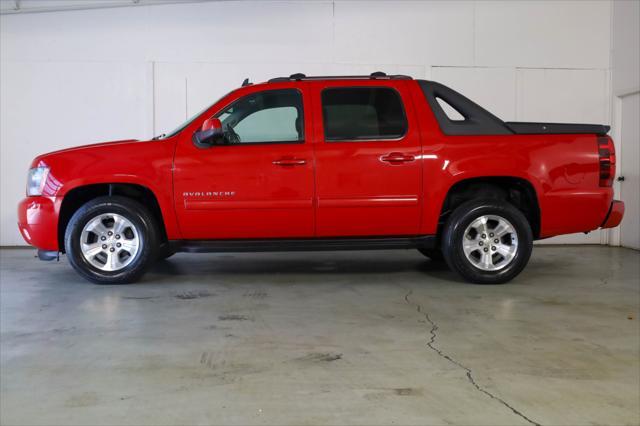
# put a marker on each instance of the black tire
(433, 254)
(456, 226)
(133, 211)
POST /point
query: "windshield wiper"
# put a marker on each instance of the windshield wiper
(159, 137)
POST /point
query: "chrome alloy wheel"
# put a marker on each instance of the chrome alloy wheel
(110, 242)
(490, 243)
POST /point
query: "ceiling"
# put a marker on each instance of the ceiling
(12, 7)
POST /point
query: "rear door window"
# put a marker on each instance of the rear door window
(362, 113)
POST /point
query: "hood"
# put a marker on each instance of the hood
(146, 163)
(101, 146)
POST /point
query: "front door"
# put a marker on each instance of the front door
(258, 183)
(368, 166)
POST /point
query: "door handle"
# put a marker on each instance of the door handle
(397, 158)
(290, 162)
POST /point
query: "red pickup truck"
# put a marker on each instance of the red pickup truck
(325, 163)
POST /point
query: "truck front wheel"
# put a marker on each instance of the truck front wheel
(111, 240)
(487, 241)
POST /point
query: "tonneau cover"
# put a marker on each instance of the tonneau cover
(528, 128)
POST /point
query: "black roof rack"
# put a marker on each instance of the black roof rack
(373, 76)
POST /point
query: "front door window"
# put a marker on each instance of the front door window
(273, 116)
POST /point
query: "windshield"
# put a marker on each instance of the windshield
(186, 123)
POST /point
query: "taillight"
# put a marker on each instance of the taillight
(607, 159)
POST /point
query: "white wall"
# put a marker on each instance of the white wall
(625, 54)
(84, 76)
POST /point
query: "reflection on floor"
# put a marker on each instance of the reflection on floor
(323, 338)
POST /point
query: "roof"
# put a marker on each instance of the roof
(378, 75)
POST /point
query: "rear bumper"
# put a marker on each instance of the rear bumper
(615, 215)
(38, 222)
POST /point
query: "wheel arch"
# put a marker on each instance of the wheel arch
(78, 196)
(517, 190)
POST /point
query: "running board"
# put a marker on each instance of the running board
(311, 244)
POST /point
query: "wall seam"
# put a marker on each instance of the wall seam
(153, 98)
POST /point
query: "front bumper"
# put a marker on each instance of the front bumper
(38, 221)
(615, 215)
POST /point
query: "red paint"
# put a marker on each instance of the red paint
(615, 216)
(38, 221)
(319, 189)
(211, 124)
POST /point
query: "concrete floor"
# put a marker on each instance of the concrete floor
(323, 338)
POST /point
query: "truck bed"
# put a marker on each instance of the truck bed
(478, 121)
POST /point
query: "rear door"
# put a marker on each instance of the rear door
(259, 184)
(368, 166)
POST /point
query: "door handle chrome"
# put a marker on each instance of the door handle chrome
(290, 162)
(397, 158)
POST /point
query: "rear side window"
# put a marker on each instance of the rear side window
(362, 113)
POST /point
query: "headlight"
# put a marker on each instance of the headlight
(36, 179)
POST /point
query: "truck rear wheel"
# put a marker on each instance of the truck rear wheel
(111, 240)
(487, 241)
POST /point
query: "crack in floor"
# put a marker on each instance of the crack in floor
(469, 373)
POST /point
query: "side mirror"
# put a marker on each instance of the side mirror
(209, 134)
